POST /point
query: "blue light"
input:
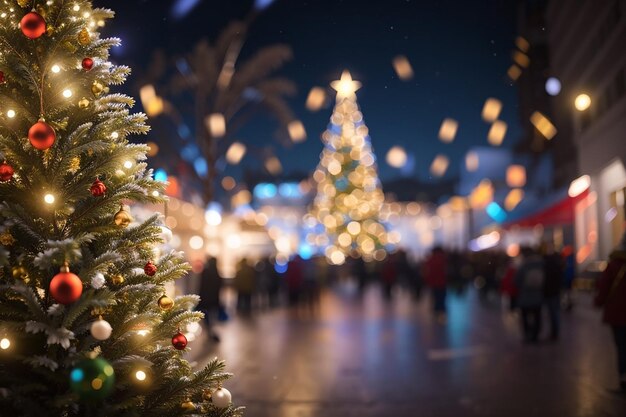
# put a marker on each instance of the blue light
(305, 251)
(289, 190)
(281, 269)
(190, 152)
(496, 212)
(77, 375)
(201, 167)
(265, 190)
(184, 131)
(182, 7)
(262, 4)
(160, 175)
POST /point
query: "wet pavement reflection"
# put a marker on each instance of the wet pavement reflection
(361, 355)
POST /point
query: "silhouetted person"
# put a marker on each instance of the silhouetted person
(435, 275)
(210, 287)
(611, 296)
(295, 279)
(529, 279)
(554, 277)
(389, 275)
(507, 285)
(244, 283)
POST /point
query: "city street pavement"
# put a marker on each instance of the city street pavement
(366, 357)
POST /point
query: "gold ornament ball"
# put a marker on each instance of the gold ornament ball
(83, 37)
(83, 103)
(207, 395)
(97, 88)
(166, 303)
(188, 406)
(123, 218)
(117, 280)
(7, 239)
(23, 3)
(19, 272)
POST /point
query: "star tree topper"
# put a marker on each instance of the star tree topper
(346, 87)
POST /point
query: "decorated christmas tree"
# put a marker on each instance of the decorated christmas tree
(86, 327)
(349, 196)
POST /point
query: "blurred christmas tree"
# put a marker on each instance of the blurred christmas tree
(85, 325)
(349, 196)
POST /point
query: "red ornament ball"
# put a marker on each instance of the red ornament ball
(150, 269)
(179, 341)
(98, 188)
(66, 287)
(33, 25)
(41, 135)
(2, 79)
(6, 172)
(87, 64)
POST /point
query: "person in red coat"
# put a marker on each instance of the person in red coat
(611, 296)
(435, 275)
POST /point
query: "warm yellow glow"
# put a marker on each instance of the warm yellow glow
(297, 133)
(315, 99)
(513, 250)
(196, 242)
(11, 114)
(543, 125)
(514, 72)
(346, 87)
(491, 110)
(233, 241)
(152, 104)
(403, 68)
(497, 132)
(236, 151)
(582, 102)
(216, 124)
(521, 59)
(337, 257)
(471, 161)
(439, 165)
(513, 198)
(48, 198)
(115, 135)
(448, 129)
(140, 375)
(516, 176)
(128, 164)
(396, 157)
(96, 384)
(354, 228)
(482, 195)
(522, 44)
(76, 7)
(228, 183)
(5, 343)
(273, 165)
(56, 69)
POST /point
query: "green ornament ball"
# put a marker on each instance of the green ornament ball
(92, 379)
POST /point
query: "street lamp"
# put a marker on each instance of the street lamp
(582, 102)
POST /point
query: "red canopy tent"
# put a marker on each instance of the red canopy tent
(559, 213)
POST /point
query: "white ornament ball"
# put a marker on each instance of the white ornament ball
(101, 329)
(221, 398)
(98, 281)
(166, 234)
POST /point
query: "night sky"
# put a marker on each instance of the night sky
(460, 51)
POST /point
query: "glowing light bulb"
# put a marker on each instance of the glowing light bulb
(582, 102)
(48, 198)
(140, 375)
(11, 114)
(76, 7)
(5, 343)
(128, 164)
(115, 135)
(56, 69)
(86, 15)
(67, 93)
(143, 332)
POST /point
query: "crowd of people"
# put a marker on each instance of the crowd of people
(535, 283)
